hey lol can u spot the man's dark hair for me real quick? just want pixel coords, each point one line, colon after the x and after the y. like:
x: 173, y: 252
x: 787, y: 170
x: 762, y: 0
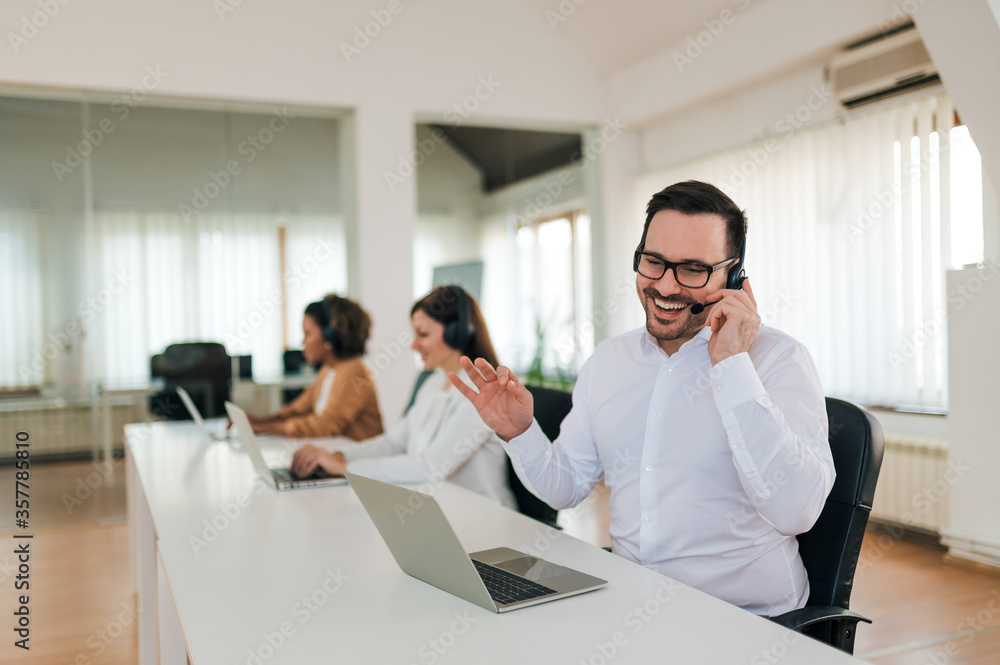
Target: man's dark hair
x: 700, y: 198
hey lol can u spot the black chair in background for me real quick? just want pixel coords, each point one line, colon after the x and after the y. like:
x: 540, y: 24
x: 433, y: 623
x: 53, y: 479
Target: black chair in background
x: 203, y: 369
x: 551, y: 406
x: 831, y: 548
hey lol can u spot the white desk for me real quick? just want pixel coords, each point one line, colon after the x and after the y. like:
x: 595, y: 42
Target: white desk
x: 303, y: 577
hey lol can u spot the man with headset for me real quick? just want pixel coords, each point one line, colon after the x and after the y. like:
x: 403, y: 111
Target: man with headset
x: 708, y: 430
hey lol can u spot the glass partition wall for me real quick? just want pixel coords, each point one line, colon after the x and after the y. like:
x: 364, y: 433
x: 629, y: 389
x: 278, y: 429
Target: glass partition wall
x: 125, y: 227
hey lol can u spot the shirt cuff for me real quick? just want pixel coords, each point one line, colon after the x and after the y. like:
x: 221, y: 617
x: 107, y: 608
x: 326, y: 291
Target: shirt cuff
x: 524, y: 445
x: 734, y: 382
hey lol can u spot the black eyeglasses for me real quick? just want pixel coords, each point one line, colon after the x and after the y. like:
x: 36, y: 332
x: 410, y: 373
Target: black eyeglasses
x: 690, y: 275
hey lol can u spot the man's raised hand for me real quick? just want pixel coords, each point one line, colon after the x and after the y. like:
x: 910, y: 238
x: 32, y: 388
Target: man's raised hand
x: 502, y: 401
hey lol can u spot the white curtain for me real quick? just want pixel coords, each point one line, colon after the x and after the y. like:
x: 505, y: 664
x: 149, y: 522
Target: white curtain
x: 851, y: 227
x: 217, y: 278
x: 24, y: 349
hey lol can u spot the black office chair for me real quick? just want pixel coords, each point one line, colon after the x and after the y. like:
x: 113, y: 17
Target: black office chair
x: 551, y: 406
x: 831, y: 548
x: 203, y: 369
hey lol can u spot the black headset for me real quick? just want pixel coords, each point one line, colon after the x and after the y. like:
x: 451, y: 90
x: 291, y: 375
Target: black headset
x: 330, y: 333
x: 734, y: 280
x: 458, y: 333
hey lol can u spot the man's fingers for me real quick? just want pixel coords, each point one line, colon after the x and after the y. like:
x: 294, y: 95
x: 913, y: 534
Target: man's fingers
x: 486, y: 369
x: 462, y: 387
x: 749, y: 290
x: 471, y: 370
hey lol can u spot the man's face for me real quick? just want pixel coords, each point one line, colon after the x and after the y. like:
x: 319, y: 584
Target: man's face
x: 677, y: 237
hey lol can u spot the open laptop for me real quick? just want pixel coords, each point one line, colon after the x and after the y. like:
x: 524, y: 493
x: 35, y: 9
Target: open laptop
x: 425, y: 546
x: 280, y: 478
x: 216, y: 435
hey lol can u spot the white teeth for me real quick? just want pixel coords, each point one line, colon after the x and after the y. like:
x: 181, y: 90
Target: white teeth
x: 662, y: 304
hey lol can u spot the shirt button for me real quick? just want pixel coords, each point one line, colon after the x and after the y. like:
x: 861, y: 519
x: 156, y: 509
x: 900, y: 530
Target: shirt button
x: 670, y: 369
x: 656, y: 416
x: 718, y: 388
x: 649, y: 468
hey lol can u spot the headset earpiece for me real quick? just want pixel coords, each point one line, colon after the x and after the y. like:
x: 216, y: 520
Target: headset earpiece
x: 330, y: 333
x: 734, y: 280
x: 458, y: 333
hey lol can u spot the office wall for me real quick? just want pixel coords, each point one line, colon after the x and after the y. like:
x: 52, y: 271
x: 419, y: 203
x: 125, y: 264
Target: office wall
x: 963, y: 39
x: 449, y: 196
x: 384, y: 62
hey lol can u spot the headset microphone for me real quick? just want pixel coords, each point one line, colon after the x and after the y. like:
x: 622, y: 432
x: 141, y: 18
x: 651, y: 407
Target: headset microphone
x: 697, y: 308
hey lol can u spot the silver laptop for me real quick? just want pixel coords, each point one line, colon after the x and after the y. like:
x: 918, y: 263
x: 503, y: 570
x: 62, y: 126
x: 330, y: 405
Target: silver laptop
x: 425, y: 546
x: 280, y: 478
x: 216, y: 435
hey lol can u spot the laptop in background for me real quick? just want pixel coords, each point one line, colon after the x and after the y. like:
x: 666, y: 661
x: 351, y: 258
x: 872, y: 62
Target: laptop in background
x: 216, y: 435
x: 425, y: 546
x: 280, y: 478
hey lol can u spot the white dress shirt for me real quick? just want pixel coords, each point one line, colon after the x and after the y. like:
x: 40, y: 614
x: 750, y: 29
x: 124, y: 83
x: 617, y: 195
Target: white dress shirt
x: 440, y: 438
x: 711, y: 471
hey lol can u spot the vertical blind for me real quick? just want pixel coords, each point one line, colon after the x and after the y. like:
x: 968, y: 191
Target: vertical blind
x: 851, y: 228
x: 218, y: 278
x: 24, y: 349
x: 156, y: 226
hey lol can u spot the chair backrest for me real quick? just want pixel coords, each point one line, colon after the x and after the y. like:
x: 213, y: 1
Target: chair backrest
x: 831, y: 548
x: 204, y: 369
x: 551, y: 406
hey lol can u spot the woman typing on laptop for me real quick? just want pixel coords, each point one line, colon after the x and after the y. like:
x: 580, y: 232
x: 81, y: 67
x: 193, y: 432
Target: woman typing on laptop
x: 341, y: 401
x: 440, y: 437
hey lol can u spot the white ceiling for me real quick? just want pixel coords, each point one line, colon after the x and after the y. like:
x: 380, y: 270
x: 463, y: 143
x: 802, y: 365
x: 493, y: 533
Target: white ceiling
x: 613, y: 35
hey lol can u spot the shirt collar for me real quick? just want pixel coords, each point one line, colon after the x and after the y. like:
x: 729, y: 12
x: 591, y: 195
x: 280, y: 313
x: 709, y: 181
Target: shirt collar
x: 650, y: 346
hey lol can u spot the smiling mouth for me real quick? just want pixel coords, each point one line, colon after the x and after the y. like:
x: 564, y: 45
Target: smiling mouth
x: 668, y: 309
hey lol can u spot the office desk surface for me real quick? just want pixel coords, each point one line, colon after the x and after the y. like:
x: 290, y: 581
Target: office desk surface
x: 302, y: 576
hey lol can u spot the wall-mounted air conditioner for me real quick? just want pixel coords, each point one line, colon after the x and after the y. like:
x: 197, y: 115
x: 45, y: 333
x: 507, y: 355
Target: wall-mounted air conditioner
x: 881, y: 67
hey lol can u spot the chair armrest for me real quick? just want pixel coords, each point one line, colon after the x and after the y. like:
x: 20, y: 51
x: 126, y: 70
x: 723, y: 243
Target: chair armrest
x: 807, y: 616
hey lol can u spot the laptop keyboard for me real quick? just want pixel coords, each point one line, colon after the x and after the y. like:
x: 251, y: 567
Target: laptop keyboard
x: 506, y: 588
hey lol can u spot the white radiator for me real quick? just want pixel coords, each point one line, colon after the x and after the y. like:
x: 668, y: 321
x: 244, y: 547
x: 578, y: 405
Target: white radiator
x: 914, y: 483
x: 60, y: 429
